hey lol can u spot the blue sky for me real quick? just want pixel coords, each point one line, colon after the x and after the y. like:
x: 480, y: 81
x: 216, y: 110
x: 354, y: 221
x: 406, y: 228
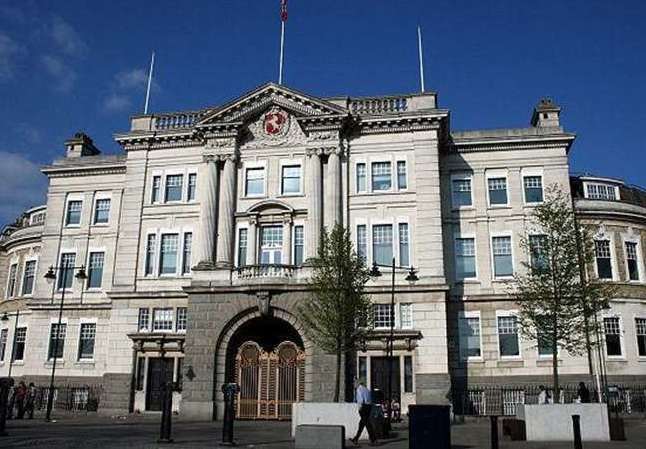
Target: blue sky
x: 81, y: 65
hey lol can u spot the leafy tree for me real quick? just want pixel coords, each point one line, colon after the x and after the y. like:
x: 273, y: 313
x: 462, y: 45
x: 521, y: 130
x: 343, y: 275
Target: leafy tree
x: 337, y: 313
x: 556, y: 298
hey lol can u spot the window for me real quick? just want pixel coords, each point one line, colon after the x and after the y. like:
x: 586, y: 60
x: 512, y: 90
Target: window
x: 602, y: 254
x: 408, y: 374
x: 57, y: 341
x: 151, y: 242
x: 612, y: 329
x: 28, y: 277
x: 271, y: 245
x: 544, y: 344
x: 156, y: 188
x: 19, y: 344
x: 465, y: 258
x: 255, y: 181
x: 600, y: 192
x: 174, y: 187
x: 382, y: 316
x: 362, y: 242
x: 361, y: 177
x: 402, y: 182
x: 404, y: 254
x: 192, y: 185
x: 86, y: 341
x: 163, y: 319
x: 73, y: 216
x: 242, y: 247
x: 299, y: 245
x: 502, y: 258
x: 168, y: 254
x: 95, y: 270
x: 381, y: 175
x: 470, y: 345
x: 497, y: 191
x: 143, y: 323
x: 631, y: 261
x: 406, y: 315
x: 533, y: 189
x: 538, y: 254
x: 66, y: 271
x: 640, y: 330
x: 461, y: 192
x: 180, y: 322
x: 382, y: 244
x: 291, y: 179
x: 186, y: 253
x: 141, y: 371
x: 3, y: 343
x: 102, y: 211
x: 11, y: 284
x: 508, y: 336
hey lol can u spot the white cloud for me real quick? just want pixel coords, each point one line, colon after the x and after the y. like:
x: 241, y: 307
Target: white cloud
x: 125, y: 85
x: 67, y: 38
x: 63, y: 74
x: 9, y: 50
x: 116, y: 103
x: 22, y: 185
x: 130, y: 79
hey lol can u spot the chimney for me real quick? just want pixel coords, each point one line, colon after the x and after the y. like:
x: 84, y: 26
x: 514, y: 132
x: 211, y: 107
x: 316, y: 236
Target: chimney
x: 546, y: 114
x: 80, y: 145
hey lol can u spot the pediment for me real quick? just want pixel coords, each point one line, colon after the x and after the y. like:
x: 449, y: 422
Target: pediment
x: 251, y: 105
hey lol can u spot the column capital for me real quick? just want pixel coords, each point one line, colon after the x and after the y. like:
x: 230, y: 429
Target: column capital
x: 287, y: 218
x: 253, y: 219
x: 220, y: 156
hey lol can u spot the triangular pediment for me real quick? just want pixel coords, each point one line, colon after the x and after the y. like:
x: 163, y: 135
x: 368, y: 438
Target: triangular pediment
x: 252, y: 104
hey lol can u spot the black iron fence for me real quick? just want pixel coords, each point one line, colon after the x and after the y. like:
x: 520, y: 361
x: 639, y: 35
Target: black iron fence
x: 502, y: 400
x: 72, y: 398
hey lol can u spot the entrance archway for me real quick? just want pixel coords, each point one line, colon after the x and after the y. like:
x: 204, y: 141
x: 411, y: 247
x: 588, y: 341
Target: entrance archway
x: 266, y: 358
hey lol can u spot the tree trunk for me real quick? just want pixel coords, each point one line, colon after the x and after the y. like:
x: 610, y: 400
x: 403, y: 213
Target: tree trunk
x: 555, y: 363
x: 337, y: 376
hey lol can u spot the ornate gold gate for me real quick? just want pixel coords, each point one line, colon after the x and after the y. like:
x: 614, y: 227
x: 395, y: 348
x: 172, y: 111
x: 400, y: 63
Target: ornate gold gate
x: 269, y: 381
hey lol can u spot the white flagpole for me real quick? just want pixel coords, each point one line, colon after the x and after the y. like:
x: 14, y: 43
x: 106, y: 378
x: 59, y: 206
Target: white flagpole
x: 150, y: 78
x: 421, y: 57
x: 282, y: 45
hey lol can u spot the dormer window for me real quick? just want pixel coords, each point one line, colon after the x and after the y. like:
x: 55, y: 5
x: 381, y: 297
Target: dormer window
x: 596, y: 191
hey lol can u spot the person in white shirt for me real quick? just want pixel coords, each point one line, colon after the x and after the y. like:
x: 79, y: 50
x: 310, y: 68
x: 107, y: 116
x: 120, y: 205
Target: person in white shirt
x: 543, y: 396
x: 362, y: 397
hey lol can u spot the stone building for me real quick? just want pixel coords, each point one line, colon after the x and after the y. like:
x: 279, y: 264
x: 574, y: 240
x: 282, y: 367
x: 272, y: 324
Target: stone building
x: 194, y: 241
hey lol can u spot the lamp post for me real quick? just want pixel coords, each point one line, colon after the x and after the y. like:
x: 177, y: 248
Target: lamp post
x: 5, y: 317
x: 411, y: 277
x: 50, y: 276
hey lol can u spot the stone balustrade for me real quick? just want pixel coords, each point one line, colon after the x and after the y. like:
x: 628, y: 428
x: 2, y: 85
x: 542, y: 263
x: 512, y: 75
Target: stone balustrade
x: 378, y: 105
x: 176, y: 121
x: 250, y: 272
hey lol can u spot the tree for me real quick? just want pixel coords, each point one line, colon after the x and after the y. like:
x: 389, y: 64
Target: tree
x: 337, y: 313
x: 556, y: 298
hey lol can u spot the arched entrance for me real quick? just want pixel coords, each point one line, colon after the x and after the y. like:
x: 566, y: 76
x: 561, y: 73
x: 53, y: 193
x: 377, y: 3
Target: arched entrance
x: 266, y: 359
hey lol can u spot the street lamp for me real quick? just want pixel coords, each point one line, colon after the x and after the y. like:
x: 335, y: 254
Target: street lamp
x: 5, y: 318
x: 411, y: 277
x: 50, y: 276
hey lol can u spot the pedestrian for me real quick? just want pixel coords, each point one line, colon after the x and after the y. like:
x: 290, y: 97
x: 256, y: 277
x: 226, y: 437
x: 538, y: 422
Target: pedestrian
x: 583, y: 393
x: 11, y: 401
x: 362, y: 397
x: 543, y: 396
x: 21, y: 395
x: 31, y: 400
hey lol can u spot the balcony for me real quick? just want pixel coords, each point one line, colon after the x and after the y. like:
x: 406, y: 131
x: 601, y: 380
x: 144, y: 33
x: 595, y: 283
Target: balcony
x: 266, y: 271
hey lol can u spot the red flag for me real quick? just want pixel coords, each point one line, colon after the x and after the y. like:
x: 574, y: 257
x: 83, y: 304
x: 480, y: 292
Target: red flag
x: 283, y: 10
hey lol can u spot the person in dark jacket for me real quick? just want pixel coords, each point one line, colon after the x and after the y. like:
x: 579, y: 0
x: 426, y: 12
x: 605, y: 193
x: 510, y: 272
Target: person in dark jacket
x: 21, y: 396
x: 583, y: 393
x: 30, y: 400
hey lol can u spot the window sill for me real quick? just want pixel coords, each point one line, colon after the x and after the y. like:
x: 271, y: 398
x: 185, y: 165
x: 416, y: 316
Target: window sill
x: 254, y: 197
x: 291, y: 195
x: 59, y: 363
x: 619, y: 359
x: 89, y: 363
x: 533, y: 204
x: 72, y: 226
x: 18, y: 363
x: 503, y: 279
x: 462, y: 208
x: 468, y: 281
x: 475, y: 360
x: 510, y: 363
x: 499, y: 206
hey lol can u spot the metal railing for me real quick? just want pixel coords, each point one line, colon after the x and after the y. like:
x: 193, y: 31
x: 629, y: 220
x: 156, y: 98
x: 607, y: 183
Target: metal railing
x: 503, y: 400
x: 70, y: 398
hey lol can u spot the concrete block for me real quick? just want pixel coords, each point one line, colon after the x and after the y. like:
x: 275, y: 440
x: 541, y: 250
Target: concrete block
x: 553, y: 422
x: 310, y: 436
x: 327, y: 413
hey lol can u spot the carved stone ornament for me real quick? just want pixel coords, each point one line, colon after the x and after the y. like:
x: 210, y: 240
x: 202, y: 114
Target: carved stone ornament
x: 227, y: 142
x: 264, y: 300
x: 274, y: 128
x: 323, y: 135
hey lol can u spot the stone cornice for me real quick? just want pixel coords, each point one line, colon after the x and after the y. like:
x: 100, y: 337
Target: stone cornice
x: 528, y: 142
x: 387, y: 125
x: 71, y: 171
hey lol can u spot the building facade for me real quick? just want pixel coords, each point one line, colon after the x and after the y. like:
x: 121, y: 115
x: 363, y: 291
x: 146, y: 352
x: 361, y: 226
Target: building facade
x: 195, y: 243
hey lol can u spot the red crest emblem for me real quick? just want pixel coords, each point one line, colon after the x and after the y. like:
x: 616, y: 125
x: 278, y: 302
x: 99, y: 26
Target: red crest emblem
x: 275, y: 121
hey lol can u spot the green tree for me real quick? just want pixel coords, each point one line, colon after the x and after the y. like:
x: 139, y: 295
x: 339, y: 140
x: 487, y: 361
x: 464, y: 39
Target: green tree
x: 337, y: 313
x: 556, y: 297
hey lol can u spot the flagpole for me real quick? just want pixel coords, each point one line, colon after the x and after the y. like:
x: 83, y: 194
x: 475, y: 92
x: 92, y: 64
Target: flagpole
x: 421, y: 57
x: 282, y: 46
x: 150, y: 78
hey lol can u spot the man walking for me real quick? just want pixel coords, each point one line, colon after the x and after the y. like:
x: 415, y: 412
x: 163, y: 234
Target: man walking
x: 362, y: 397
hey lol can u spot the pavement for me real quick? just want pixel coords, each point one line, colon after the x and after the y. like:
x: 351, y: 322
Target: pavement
x: 141, y: 432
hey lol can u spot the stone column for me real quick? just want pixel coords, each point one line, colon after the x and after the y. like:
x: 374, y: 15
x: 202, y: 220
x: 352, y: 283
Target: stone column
x: 227, y: 208
x: 333, y: 189
x: 208, y: 196
x: 314, y: 204
x: 252, y: 233
x: 287, y: 240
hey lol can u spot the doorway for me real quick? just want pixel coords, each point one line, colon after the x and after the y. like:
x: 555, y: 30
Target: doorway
x: 160, y: 371
x: 379, y: 369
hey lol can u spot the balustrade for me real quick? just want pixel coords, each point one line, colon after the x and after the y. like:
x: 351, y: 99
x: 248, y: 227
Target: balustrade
x: 266, y: 271
x: 177, y: 121
x: 379, y: 105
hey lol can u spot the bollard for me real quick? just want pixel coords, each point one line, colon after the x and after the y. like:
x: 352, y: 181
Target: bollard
x: 576, y: 424
x: 230, y: 391
x: 494, y: 431
x: 167, y: 413
x: 5, y: 384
